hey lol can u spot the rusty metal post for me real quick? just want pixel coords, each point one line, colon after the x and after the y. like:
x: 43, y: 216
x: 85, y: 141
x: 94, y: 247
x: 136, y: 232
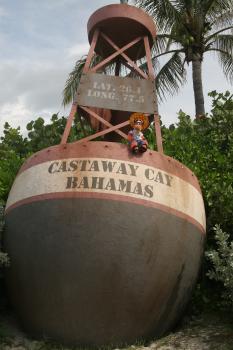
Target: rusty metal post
x: 69, y: 123
x: 152, y: 77
x: 148, y: 58
x: 75, y: 104
x: 158, y: 133
x: 118, y: 68
x: 91, y: 51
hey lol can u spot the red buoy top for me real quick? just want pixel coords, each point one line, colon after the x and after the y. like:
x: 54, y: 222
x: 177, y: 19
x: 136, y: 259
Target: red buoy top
x: 122, y: 23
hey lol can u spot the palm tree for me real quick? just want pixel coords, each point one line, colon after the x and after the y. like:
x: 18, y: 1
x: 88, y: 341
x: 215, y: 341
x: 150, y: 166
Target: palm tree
x: 187, y: 30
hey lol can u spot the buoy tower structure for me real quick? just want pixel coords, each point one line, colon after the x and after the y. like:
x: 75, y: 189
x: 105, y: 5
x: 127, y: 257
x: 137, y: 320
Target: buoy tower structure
x: 105, y: 245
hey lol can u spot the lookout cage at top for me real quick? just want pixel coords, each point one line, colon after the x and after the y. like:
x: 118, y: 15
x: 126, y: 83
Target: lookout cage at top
x: 120, y: 35
x: 105, y: 245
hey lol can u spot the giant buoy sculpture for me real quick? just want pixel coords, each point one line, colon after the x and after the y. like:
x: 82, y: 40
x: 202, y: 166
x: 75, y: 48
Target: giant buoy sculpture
x: 105, y: 244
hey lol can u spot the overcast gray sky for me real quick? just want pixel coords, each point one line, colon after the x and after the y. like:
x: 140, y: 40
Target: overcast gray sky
x: 40, y: 42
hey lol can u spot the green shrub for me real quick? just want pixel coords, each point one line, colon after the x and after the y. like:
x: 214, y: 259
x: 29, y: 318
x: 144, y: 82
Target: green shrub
x: 206, y: 147
x: 222, y: 262
x: 4, y: 260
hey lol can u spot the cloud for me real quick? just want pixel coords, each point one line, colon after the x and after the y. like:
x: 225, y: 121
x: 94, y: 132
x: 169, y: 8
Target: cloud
x: 33, y: 86
x: 30, y: 90
x: 14, y: 112
x: 78, y: 50
x: 3, y: 12
x: 39, y: 45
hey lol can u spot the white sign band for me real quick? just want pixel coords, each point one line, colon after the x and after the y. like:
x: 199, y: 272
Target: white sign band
x: 109, y: 176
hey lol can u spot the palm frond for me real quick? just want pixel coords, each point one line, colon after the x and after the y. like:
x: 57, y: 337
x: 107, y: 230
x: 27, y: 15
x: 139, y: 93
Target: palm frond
x: 226, y: 62
x: 160, y: 44
x: 188, y: 6
x: 163, y: 43
x: 223, y: 42
x: 222, y: 19
x: 164, y: 12
x: 214, y: 8
x: 171, y: 76
x: 223, y: 46
x: 170, y: 41
x: 216, y: 39
x: 74, y: 77
x: 169, y: 52
x: 73, y: 80
x: 144, y: 67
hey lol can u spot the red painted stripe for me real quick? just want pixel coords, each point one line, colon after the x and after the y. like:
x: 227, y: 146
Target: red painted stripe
x: 63, y: 195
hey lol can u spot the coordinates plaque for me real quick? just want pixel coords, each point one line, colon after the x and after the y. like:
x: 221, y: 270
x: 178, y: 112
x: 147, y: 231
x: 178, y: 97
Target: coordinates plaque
x: 123, y: 94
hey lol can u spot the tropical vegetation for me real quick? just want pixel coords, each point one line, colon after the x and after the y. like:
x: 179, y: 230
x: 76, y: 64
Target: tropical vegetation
x: 222, y: 262
x: 205, y: 146
x: 14, y: 148
x: 187, y: 30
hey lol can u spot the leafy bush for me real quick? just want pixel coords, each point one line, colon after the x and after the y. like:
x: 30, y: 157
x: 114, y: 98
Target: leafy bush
x: 222, y: 261
x: 206, y: 147
x: 4, y: 260
x: 14, y: 149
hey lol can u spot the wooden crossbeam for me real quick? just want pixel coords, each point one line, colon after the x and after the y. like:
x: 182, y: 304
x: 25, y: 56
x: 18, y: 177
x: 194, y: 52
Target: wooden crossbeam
x: 103, y: 132
x: 129, y: 67
x: 115, y: 54
x: 126, y: 57
x: 105, y: 122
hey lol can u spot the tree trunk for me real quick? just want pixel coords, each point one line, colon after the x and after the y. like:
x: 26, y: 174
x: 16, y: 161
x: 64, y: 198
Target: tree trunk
x: 197, y: 87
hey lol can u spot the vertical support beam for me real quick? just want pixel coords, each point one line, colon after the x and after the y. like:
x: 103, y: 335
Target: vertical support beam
x: 159, y: 141
x: 151, y: 74
x: 69, y: 123
x: 148, y: 58
x: 75, y: 105
x: 118, y: 68
x: 91, y: 51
